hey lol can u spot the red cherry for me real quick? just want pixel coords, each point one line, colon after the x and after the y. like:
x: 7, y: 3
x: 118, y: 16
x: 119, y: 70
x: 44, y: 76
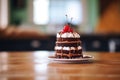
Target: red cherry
x: 70, y: 30
x: 66, y: 28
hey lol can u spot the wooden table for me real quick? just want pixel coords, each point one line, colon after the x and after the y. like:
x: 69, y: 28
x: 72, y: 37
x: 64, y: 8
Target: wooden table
x: 36, y: 66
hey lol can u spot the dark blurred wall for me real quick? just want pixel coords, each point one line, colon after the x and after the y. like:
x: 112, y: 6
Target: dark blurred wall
x: 18, y: 11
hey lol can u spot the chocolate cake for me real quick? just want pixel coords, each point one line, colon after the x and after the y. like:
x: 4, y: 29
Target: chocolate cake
x: 68, y: 44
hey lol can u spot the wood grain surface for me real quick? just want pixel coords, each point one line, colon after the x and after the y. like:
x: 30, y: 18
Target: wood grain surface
x: 36, y: 66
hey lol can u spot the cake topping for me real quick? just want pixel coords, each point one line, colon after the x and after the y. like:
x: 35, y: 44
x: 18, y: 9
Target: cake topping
x: 68, y: 48
x: 67, y: 28
x: 68, y: 35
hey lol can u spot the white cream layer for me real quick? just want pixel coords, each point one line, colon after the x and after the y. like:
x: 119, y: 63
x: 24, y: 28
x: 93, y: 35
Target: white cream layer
x: 67, y: 48
x: 68, y: 35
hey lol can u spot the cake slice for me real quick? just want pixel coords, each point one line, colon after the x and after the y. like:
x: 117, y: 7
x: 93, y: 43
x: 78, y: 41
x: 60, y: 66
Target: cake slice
x: 68, y: 44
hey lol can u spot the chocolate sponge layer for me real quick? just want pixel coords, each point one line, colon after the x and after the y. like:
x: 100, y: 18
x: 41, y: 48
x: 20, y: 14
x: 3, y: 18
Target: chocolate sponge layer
x: 71, y: 51
x: 69, y: 44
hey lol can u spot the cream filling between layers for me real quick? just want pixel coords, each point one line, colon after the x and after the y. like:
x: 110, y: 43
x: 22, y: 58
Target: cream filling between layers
x: 67, y: 48
x: 68, y: 35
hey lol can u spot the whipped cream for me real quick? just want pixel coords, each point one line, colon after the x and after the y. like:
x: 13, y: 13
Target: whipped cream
x: 67, y: 48
x: 72, y: 48
x: 58, y: 47
x: 68, y: 35
x: 79, y: 47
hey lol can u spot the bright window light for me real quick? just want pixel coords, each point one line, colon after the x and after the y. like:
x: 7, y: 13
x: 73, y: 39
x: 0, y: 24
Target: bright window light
x: 74, y: 10
x: 40, y: 11
x: 54, y: 11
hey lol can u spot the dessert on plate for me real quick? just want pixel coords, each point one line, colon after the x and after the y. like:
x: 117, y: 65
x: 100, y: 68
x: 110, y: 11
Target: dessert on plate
x: 68, y: 44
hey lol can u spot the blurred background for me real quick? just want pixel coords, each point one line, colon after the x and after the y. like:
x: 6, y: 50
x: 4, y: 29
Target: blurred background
x: 27, y: 25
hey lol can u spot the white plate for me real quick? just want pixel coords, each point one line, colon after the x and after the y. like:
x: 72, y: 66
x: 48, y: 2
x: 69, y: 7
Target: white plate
x: 85, y: 59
